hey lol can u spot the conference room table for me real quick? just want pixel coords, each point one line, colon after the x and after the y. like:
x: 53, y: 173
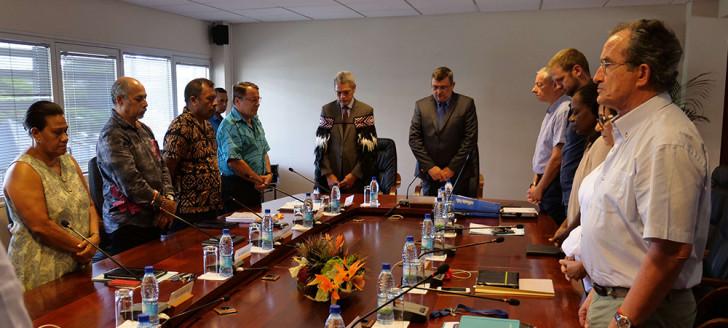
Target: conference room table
x: 75, y: 301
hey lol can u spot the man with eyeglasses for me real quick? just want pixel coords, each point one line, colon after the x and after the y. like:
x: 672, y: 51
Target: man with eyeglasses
x: 570, y: 70
x: 242, y: 151
x: 346, y: 139
x: 545, y: 189
x: 444, y: 138
x: 646, y: 207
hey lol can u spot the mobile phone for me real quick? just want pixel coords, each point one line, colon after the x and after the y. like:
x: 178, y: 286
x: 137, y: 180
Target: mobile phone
x: 271, y: 277
x: 223, y: 310
x: 503, y: 231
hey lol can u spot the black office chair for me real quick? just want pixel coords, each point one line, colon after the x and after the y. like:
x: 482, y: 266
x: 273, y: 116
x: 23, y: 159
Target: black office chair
x: 95, y: 186
x: 273, y: 185
x: 711, y: 293
x: 386, y: 164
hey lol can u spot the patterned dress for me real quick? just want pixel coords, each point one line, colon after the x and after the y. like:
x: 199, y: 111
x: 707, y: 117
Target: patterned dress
x: 66, y: 199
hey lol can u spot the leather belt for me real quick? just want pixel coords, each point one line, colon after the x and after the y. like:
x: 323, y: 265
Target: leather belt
x: 610, y: 291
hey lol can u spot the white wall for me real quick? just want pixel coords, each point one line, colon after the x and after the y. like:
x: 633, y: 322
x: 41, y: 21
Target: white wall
x: 105, y: 21
x: 494, y: 58
x: 706, y: 50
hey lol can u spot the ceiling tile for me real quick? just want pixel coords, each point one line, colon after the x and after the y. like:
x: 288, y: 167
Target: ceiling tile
x: 263, y: 4
x: 381, y: 8
x: 150, y: 3
x: 623, y: 3
x: 438, y: 7
x: 271, y: 14
x: 571, y: 4
x: 221, y: 16
x: 325, y: 12
x: 507, y: 5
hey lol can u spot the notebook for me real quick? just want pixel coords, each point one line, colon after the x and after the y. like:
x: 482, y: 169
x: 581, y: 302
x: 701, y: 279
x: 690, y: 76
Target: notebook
x: 498, y: 278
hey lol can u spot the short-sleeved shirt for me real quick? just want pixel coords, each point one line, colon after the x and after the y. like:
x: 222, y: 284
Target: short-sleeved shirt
x: 652, y: 184
x: 215, y: 120
x: 197, y: 177
x: 552, y: 133
x: 238, y: 140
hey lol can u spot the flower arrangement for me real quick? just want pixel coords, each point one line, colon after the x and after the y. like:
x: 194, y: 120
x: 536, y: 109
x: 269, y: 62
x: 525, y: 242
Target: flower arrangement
x: 324, y: 271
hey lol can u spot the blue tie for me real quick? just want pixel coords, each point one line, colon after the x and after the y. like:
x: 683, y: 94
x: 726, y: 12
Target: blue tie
x: 441, y: 109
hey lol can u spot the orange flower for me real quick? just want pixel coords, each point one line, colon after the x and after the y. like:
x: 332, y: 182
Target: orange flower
x: 339, y: 242
x: 358, y: 282
x: 354, y: 267
x: 323, y: 283
x: 341, y: 274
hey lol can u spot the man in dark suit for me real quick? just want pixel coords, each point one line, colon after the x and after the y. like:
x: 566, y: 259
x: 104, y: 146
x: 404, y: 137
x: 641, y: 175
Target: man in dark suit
x: 346, y: 139
x: 444, y: 138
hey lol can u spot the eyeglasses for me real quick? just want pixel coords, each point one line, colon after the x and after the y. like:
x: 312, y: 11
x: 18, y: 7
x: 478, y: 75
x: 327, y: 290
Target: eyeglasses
x: 606, y: 65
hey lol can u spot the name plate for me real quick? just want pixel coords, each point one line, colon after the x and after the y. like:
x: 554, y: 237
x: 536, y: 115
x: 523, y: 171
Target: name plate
x: 180, y: 295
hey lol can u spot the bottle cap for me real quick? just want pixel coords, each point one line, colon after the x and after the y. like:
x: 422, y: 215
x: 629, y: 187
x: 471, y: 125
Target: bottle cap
x: 143, y: 318
x: 428, y: 216
x: 374, y: 178
x: 386, y: 266
x: 308, y: 194
x: 225, y: 231
x: 335, y: 308
x: 148, y: 269
x: 410, y: 239
x: 267, y: 211
x: 439, y: 199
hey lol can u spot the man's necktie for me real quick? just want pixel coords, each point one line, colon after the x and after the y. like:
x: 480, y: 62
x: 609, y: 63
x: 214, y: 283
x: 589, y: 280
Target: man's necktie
x: 441, y: 108
x: 345, y: 113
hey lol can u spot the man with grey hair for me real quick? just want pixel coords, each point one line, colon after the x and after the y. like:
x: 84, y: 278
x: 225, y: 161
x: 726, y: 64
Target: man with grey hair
x: 138, y: 192
x: 346, y: 139
x: 545, y: 189
x: 645, y: 209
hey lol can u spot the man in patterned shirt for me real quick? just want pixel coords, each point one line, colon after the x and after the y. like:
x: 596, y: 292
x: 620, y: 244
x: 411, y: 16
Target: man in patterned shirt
x: 138, y: 193
x: 190, y: 152
x: 243, y: 150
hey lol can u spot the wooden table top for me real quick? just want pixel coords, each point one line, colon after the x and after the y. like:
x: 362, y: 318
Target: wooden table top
x: 75, y: 301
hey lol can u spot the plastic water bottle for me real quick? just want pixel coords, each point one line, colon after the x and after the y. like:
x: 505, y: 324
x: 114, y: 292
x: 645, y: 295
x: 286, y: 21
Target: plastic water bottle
x: 374, y: 193
x: 335, y: 198
x: 150, y: 295
x: 409, y: 262
x: 428, y: 233
x: 267, y: 238
x: 439, y: 222
x: 316, y: 195
x: 143, y: 320
x: 308, y: 211
x: 385, y: 315
x: 448, y: 191
x: 226, y: 254
x: 334, y: 320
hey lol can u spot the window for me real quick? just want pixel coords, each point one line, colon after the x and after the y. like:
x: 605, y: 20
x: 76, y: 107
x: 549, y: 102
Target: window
x: 87, y: 80
x: 25, y: 77
x: 155, y: 73
x: 185, y: 74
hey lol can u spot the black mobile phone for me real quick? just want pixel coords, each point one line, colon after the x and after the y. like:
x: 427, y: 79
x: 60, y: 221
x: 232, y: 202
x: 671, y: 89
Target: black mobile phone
x: 454, y: 289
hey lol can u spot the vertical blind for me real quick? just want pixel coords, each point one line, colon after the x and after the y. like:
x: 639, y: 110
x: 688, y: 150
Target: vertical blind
x: 185, y: 74
x: 25, y: 77
x: 87, y: 80
x: 155, y: 73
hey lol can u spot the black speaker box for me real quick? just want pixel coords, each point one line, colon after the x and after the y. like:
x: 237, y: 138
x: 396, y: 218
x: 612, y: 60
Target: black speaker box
x: 220, y: 35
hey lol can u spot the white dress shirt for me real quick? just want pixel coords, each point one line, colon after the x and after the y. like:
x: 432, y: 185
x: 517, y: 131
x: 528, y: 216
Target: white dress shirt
x: 12, y: 306
x: 652, y: 184
x: 552, y: 133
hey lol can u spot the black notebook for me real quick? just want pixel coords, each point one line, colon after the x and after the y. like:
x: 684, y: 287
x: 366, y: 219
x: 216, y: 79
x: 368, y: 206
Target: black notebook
x: 120, y: 273
x: 498, y: 278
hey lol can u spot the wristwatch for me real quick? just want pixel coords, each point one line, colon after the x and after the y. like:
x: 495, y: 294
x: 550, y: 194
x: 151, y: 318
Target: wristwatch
x: 622, y: 320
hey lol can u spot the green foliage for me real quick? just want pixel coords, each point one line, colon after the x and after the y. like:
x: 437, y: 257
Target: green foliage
x: 697, y: 90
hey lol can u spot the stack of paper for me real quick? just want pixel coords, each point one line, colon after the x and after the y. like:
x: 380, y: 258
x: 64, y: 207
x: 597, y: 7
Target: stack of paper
x: 243, y: 217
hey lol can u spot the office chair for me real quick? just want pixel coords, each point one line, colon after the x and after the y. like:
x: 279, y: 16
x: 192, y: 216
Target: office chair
x: 386, y: 164
x: 712, y: 292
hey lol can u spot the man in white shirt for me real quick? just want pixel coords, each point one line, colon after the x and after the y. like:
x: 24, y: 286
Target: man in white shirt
x: 646, y: 219
x: 545, y: 188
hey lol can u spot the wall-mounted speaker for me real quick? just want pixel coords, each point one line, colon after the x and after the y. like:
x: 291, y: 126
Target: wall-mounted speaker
x: 220, y: 35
